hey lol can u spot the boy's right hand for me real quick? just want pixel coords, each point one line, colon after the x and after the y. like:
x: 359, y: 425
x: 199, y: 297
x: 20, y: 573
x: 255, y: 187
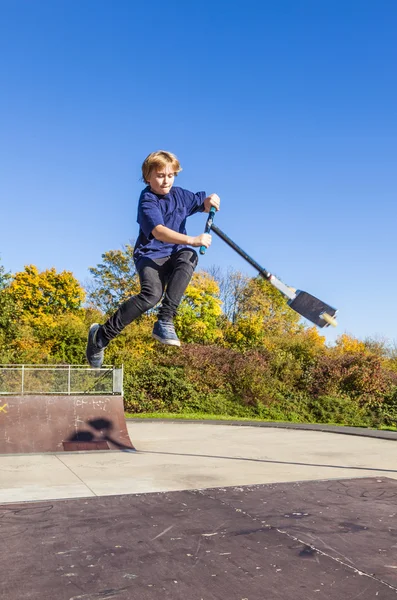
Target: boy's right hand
x: 203, y: 239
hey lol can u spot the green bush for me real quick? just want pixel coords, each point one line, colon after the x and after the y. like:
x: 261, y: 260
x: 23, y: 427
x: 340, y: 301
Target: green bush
x: 386, y: 413
x: 149, y: 388
x: 338, y: 410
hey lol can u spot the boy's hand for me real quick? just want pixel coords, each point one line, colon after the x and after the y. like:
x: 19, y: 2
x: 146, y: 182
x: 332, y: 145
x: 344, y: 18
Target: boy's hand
x: 212, y: 200
x: 202, y: 240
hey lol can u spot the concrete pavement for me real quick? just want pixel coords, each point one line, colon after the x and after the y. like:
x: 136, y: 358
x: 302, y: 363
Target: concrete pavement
x: 181, y: 456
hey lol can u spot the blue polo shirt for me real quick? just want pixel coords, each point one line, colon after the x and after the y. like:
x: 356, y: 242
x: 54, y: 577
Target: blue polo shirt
x: 170, y: 210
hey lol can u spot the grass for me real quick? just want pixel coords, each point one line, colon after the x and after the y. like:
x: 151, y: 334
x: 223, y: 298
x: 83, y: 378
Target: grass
x: 387, y: 428
x: 197, y: 416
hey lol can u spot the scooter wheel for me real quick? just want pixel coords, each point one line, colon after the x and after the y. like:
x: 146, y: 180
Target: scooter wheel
x: 329, y: 320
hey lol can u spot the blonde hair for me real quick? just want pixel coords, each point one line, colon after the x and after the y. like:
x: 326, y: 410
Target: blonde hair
x: 159, y: 159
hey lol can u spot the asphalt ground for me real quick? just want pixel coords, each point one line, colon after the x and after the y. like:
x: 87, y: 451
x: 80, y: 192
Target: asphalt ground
x: 203, y: 512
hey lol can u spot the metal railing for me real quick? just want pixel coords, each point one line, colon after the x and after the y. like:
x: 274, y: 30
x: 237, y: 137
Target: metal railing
x: 60, y: 379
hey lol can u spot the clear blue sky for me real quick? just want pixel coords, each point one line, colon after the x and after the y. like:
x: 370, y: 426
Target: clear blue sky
x: 286, y: 109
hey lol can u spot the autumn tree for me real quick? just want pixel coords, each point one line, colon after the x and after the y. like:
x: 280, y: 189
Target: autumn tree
x: 8, y: 317
x: 6, y: 303
x: 348, y: 344
x: 199, y: 311
x: 42, y: 301
x: 114, y: 280
x: 262, y: 312
x: 47, y: 293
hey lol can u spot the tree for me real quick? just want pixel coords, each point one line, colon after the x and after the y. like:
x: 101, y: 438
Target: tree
x: 199, y: 311
x: 45, y: 295
x: 347, y: 344
x: 8, y: 317
x: 262, y: 312
x: 4, y: 277
x: 49, y: 323
x: 114, y: 280
x: 6, y: 301
x: 231, y: 287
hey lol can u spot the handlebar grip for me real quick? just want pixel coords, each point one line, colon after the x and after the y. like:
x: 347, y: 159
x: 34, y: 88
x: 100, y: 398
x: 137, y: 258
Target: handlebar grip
x: 208, y: 226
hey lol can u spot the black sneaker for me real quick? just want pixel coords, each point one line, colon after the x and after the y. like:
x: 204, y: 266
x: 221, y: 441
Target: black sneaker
x: 164, y: 332
x: 94, y: 354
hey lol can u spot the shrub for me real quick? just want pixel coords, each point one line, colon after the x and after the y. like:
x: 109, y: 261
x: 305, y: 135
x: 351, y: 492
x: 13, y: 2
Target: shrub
x: 150, y: 388
x: 359, y: 376
x: 338, y: 410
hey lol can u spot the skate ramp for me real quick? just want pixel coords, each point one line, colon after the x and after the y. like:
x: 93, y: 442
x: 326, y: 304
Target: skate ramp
x: 62, y: 423
x: 323, y: 540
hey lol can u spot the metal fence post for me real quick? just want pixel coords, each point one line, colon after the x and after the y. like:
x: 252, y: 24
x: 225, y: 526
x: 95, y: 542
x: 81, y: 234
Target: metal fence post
x: 69, y: 381
x: 118, y: 380
x: 23, y: 379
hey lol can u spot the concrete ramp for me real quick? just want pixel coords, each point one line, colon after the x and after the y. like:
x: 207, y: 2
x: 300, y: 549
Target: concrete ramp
x: 58, y: 423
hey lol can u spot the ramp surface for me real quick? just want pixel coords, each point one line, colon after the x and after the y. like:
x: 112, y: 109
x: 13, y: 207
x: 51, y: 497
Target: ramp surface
x: 56, y: 423
x: 293, y: 541
x: 180, y: 456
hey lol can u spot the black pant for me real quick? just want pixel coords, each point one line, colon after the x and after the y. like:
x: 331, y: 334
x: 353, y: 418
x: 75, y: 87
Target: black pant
x: 172, y: 274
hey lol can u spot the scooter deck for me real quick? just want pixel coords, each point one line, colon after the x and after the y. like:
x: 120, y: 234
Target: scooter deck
x: 311, y: 308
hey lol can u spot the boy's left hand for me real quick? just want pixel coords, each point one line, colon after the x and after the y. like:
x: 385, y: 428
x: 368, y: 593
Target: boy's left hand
x: 212, y: 200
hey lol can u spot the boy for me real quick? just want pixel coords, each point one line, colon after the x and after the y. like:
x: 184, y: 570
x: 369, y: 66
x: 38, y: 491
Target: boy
x: 162, y: 258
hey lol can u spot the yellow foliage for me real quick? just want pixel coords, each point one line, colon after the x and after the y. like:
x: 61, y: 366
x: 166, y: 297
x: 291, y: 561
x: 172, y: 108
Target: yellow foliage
x: 41, y: 296
x: 346, y: 344
x: 313, y: 335
x: 203, y: 291
x: 261, y: 299
x: 134, y: 343
x: 200, y: 309
x: 28, y: 348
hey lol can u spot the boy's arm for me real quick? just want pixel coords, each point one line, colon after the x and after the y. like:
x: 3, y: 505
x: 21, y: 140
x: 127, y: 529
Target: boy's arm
x: 199, y: 202
x: 169, y: 236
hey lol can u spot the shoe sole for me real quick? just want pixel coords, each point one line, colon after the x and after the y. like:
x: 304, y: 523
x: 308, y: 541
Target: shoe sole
x: 166, y: 342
